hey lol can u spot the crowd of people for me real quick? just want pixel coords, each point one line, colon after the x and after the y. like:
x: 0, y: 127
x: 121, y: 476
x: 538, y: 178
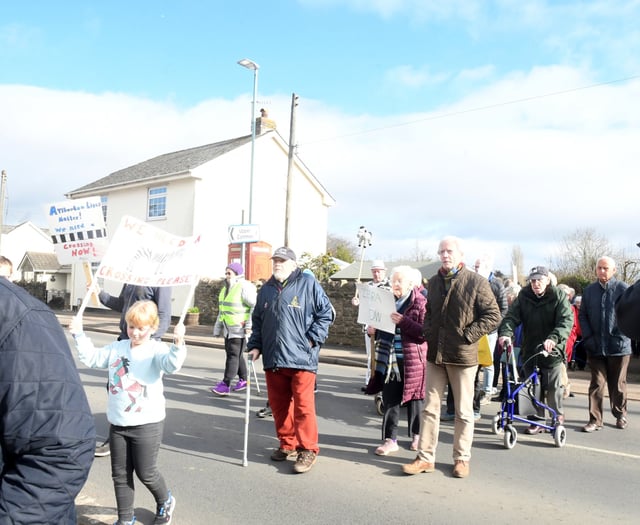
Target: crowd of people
x: 432, y: 349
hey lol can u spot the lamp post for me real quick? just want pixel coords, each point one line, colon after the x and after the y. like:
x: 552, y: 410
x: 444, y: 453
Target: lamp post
x: 250, y: 64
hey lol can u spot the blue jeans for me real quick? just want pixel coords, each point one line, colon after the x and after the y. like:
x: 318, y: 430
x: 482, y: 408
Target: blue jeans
x: 135, y: 449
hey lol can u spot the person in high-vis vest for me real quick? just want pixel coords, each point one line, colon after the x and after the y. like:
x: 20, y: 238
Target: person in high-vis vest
x: 235, y: 304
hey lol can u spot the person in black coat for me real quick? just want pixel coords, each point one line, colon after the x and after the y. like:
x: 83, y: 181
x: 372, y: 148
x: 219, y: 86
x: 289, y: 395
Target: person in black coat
x: 47, y: 433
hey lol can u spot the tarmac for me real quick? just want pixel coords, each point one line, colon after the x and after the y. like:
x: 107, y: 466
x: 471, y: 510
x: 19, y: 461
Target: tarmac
x: 106, y: 321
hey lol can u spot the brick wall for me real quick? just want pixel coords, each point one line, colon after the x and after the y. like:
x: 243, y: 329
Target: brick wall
x: 345, y: 331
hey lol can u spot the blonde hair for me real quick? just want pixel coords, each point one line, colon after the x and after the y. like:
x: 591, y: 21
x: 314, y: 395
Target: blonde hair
x: 143, y: 313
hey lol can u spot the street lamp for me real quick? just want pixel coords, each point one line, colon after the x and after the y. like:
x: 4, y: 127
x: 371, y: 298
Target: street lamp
x: 250, y: 64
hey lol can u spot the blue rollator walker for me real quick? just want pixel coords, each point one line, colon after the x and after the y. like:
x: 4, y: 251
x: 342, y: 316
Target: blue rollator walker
x: 523, y: 392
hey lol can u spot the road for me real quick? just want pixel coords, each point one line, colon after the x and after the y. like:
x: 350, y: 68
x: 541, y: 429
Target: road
x: 595, y: 478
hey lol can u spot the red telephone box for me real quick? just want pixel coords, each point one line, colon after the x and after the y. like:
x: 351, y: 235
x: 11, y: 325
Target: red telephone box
x: 257, y: 259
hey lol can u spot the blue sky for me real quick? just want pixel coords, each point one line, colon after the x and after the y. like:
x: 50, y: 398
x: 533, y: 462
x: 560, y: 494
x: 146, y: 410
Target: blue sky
x: 452, y: 115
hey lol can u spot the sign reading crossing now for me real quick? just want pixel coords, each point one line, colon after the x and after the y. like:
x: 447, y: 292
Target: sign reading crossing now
x: 241, y: 233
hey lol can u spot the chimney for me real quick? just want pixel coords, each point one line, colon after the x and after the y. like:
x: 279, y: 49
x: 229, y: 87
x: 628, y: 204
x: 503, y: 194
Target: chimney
x: 264, y: 123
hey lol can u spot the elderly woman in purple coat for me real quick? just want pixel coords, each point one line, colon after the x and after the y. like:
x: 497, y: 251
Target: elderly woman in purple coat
x: 400, y: 360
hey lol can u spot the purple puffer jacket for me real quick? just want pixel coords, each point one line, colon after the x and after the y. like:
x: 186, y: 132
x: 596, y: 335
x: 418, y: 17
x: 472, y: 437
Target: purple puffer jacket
x: 414, y: 347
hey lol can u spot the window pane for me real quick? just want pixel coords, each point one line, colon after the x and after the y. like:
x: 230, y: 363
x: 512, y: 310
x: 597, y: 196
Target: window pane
x: 157, y: 202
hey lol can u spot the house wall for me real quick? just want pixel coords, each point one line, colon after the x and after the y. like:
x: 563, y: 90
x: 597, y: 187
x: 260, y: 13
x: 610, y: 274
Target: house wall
x: 26, y: 237
x: 216, y: 196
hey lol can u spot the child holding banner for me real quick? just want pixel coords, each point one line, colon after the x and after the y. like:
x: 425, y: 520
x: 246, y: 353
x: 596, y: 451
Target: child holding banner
x: 136, y: 405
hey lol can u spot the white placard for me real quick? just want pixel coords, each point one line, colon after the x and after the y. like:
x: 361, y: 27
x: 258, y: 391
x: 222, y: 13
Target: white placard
x: 144, y: 255
x: 77, y: 230
x: 376, y: 306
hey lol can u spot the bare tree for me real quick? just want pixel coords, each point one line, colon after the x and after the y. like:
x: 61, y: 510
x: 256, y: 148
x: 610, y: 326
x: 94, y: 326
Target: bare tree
x: 517, y: 261
x: 420, y: 255
x: 580, y: 252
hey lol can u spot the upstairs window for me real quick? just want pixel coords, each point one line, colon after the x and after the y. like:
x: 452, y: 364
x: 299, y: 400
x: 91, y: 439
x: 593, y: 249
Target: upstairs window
x: 157, y: 203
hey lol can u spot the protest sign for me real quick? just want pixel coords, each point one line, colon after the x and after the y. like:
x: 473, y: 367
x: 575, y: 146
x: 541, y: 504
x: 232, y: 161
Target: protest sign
x: 77, y: 230
x: 144, y: 255
x: 376, y: 306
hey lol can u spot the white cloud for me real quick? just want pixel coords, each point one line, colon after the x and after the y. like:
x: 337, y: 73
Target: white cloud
x: 523, y: 174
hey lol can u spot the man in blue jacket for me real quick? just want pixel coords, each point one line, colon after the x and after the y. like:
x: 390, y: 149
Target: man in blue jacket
x: 47, y: 433
x: 290, y: 322
x: 608, y: 349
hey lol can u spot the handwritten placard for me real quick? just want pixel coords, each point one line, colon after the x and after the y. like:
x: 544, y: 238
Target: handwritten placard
x: 376, y: 306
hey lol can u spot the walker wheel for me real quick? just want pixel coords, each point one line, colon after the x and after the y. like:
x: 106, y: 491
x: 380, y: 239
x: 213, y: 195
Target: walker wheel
x: 510, y: 437
x: 560, y: 436
x: 379, y: 405
x: 496, y: 425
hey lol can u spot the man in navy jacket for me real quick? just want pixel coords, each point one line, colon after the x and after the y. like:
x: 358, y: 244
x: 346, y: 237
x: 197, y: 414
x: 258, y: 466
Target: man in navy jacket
x: 290, y: 322
x: 47, y: 434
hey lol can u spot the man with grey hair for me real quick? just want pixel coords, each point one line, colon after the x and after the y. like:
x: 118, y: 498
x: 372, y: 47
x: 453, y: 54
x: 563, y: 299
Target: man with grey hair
x: 608, y: 349
x: 460, y: 310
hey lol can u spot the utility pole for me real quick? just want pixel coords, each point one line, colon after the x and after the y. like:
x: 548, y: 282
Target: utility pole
x: 292, y: 145
x: 3, y: 183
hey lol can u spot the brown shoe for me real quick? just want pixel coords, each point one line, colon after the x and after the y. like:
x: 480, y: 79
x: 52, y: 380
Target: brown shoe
x: 591, y: 427
x: 305, y: 460
x: 622, y: 423
x: 417, y: 466
x: 460, y: 468
x: 282, y: 454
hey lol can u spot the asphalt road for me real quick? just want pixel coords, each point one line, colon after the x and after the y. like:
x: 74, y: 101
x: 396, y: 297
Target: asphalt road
x: 594, y: 478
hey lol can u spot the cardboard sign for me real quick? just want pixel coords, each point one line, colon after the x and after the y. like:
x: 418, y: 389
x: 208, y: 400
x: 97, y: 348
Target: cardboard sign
x: 376, y: 306
x: 77, y: 230
x: 144, y: 255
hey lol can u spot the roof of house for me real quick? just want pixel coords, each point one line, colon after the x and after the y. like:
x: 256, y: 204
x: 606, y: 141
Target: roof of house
x: 167, y: 164
x: 352, y: 272
x: 42, y: 262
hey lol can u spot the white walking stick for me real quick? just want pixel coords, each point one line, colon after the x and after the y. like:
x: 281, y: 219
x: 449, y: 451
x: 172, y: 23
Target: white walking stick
x: 245, y: 461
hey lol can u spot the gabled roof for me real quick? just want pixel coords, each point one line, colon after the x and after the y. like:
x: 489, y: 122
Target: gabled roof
x: 41, y: 262
x: 168, y: 164
x: 427, y: 268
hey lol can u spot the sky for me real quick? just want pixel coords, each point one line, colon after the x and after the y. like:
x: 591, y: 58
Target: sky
x: 505, y: 123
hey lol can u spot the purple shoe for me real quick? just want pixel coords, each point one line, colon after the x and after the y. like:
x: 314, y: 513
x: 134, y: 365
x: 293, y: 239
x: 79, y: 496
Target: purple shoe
x: 221, y: 389
x: 240, y: 385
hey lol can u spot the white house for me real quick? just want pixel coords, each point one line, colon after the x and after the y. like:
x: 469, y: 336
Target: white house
x: 17, y: 240
x: 205, y: 190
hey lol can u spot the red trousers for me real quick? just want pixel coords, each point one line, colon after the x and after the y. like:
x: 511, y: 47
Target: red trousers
x: 293, y: 404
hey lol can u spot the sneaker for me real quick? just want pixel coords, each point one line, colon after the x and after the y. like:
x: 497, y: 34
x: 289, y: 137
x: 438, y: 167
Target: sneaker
x: 417, y: 466
x: 125, y: 522
x: 240, y: 385
x: 165, y: 511
x: 476, y: 416
x: 221, y: 389
x: 102, y: 450
x: 460, y: 468
x: 414, y: 442
x: 388, y: 447
x: 305, y: 460
x: 486, y: 399
x: 282, y: 454
x: 264, y: 412
x: 447, y: 417
x: 591, y: 427
x: 621, y: 423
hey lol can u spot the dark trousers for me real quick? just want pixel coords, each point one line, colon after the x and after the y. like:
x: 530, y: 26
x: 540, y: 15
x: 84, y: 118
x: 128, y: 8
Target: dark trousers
x: 235, y: 364
x: 612, y: 372
x: 135, y: 449
x: 392, y: 400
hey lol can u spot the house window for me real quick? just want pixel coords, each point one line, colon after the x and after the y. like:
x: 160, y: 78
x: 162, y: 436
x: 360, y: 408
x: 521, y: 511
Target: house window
x: 157, y: 203
x: 103, y: 201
